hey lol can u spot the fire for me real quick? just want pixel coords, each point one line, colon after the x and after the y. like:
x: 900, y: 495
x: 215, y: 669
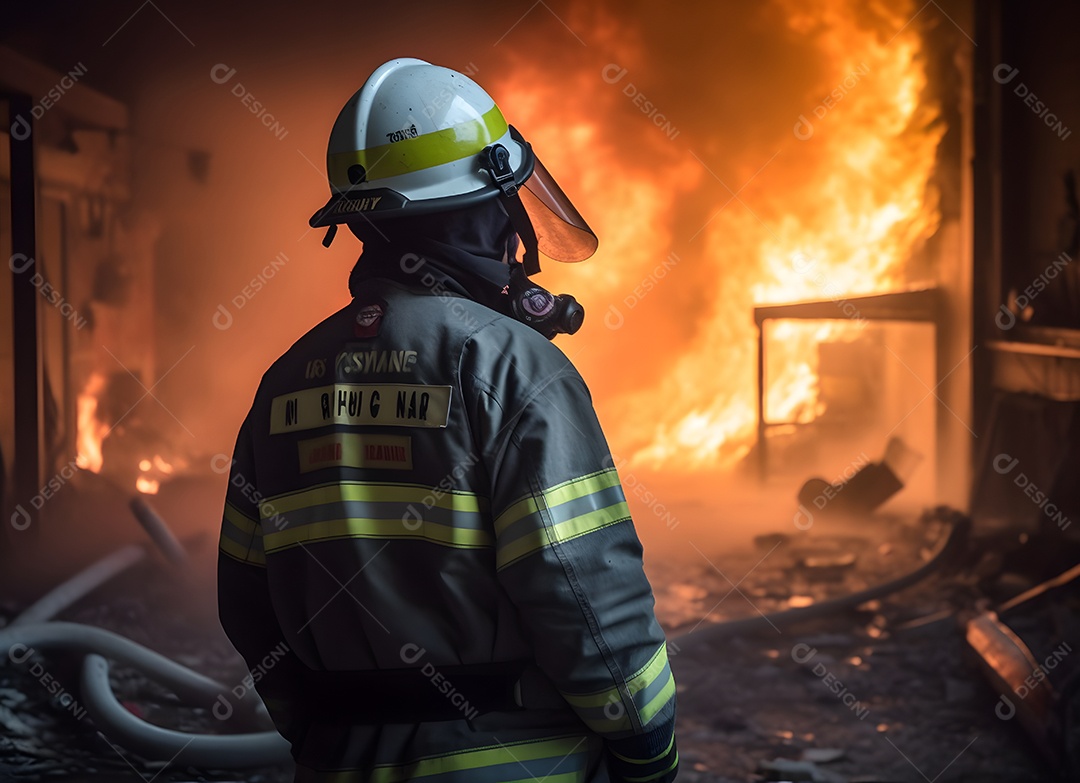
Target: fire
x: 148, y: 484
x: 853, y: 210
x: 835, y: 209
x: 791, y: 375
x: 629, y: 206
x: 91, y: 431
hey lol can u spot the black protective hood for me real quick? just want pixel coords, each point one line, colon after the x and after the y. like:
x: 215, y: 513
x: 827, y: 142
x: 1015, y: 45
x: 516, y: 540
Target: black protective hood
x: 461, y: 249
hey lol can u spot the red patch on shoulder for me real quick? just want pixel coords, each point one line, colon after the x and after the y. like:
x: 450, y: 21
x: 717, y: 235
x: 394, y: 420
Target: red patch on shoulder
x: 369, y: 318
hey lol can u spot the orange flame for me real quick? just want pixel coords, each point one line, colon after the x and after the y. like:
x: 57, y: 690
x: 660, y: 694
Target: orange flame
x: 848, y: 228
x: 839, y: 210
x: 91, y: 431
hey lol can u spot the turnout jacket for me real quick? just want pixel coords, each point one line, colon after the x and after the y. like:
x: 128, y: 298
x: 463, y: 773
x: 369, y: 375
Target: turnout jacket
x: 422, y: 486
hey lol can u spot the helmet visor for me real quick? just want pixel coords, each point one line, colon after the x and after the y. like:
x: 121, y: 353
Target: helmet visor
x: 561, y: 231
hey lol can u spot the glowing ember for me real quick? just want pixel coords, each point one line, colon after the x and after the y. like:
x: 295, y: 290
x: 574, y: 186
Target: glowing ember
x: 158, y: 466
x: 147, y: 486
x: 91, y: 431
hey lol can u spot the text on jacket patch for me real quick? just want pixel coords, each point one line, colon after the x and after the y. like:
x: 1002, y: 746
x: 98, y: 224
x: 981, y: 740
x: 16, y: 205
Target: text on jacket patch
x: 356, y: 362
x: 355, y: 450
x: 393, y: 405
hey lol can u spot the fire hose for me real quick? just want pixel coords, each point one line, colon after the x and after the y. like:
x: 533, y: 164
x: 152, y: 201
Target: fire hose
x: 31, y: 631
x: 150, y: 741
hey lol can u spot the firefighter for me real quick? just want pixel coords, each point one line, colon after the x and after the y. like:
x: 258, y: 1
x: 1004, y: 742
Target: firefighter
x: 427, y: 560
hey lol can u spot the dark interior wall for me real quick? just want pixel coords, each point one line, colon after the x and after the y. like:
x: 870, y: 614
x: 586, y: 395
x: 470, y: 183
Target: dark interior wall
x: 1039, y: 76
x: 1027, y: 282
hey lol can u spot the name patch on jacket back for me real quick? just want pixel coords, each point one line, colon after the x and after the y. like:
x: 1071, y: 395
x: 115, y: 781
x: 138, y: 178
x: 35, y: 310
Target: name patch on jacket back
x: 386, y: 404
x: 356, y: 450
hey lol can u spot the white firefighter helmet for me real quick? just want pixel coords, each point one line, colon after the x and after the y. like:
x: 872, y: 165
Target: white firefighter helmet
x: 418, y: 138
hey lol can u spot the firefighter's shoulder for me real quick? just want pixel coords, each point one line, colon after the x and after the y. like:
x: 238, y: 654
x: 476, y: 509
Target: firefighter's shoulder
x: 506, y: 354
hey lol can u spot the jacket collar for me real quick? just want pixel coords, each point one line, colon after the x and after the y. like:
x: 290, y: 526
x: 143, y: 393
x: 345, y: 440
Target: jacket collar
x: 436, y: 267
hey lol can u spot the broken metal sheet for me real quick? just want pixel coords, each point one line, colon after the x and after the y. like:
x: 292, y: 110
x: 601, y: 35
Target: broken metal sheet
x: 1010, y: 666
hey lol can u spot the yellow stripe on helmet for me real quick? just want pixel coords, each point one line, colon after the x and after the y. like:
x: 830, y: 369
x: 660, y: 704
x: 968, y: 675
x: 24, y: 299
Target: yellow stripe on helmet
x: 419, y: 153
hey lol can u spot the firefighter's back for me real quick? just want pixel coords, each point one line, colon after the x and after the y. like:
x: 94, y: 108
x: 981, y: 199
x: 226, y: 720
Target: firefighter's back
x: 379, y: 541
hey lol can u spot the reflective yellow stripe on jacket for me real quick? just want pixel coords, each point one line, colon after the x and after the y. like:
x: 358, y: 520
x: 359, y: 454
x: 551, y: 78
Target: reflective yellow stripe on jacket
x: 576, y: 508
x: 372, y: 510
x: 557, y: 760
x: 650, y: 688
x: 241, y: 537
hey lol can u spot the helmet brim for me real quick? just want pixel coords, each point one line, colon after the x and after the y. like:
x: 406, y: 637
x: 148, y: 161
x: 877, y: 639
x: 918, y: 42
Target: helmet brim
x: 377, y: 204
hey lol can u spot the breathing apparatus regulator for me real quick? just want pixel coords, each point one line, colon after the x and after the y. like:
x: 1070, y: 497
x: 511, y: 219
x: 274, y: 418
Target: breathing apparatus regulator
x: 417, y: 139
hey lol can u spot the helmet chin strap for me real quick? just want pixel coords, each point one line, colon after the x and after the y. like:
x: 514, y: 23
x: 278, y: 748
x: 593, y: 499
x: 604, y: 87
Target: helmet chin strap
x: 328, y: 237
x: 497, y: 159
x: 531, y: 304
